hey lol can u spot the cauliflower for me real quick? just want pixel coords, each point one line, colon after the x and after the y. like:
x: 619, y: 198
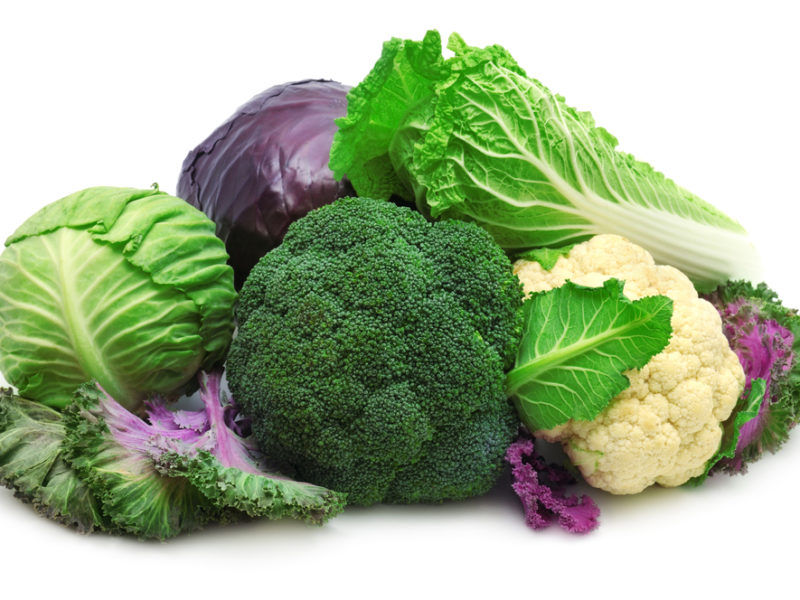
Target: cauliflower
x: 667, y: 424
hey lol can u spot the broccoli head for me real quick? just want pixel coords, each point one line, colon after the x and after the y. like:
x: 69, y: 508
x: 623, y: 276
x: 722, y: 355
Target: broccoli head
x: 371, y: 352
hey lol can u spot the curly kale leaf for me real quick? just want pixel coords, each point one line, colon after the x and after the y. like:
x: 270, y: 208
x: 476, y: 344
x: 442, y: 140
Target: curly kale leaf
x: 180, y: 470
x: 32, y: 464
x: 765, y: 335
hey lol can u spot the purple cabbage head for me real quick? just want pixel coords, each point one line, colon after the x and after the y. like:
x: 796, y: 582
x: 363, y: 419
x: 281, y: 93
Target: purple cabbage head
x: 267, y: 166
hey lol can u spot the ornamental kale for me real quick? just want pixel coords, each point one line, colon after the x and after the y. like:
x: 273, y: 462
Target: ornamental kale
x: 182, y: 469
x: 541, y: 489
x: 766, y: 337
x: 97, y: 466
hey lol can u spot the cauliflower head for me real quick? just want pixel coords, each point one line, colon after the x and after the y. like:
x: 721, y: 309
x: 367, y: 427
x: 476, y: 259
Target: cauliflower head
x: 667, y: 424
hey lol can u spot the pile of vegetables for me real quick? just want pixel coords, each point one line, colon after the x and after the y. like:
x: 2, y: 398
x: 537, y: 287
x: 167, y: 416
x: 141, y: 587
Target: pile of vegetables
x: 386, y: 293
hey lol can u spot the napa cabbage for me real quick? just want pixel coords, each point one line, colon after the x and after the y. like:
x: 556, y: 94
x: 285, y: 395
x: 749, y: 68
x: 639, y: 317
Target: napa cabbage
x: 474, y: 137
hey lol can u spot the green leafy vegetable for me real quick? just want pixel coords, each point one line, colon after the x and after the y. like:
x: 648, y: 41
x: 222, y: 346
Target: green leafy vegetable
x: 180, y: 470
x: 109, y: 448
x: 128, y: 287
x: 250, y: 492
x: 473, y: 137
x: 575, y: 346
x: 403, y: 77
x: 32, y: 464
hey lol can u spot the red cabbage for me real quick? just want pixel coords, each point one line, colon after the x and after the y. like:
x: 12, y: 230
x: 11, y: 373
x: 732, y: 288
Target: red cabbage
x: 266, y: 166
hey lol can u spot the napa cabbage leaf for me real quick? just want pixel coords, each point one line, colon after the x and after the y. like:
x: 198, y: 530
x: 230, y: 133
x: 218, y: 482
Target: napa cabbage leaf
x: 474, y: 137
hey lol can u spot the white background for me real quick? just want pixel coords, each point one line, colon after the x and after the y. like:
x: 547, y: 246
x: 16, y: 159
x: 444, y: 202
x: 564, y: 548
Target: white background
x: 114, y: 93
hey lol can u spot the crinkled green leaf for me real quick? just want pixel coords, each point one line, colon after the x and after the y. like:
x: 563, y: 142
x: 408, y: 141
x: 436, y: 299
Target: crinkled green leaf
x: 131, y: 491
x: 489, y: 144
x: 402, y: 78
x: 33, y: 465
x: 256, y: 494
x: 577, y: 342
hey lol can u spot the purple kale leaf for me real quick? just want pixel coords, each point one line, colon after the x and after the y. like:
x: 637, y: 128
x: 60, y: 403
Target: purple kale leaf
x: 541, y: 489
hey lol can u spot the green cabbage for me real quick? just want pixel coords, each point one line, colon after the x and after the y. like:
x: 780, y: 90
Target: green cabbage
x: 128, y: 287
x: 473, y: 137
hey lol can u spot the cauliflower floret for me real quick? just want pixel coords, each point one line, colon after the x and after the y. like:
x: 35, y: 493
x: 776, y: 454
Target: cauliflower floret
x: 667, y: 424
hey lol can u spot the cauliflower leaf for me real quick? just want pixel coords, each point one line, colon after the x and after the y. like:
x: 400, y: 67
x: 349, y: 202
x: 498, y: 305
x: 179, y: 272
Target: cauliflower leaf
x: 576, y: 344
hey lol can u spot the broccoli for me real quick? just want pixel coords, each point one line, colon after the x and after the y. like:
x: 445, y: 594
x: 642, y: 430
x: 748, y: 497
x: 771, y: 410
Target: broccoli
x: 371, y: 352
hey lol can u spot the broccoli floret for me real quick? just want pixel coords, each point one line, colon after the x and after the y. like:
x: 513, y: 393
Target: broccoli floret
x: 371, y: 352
